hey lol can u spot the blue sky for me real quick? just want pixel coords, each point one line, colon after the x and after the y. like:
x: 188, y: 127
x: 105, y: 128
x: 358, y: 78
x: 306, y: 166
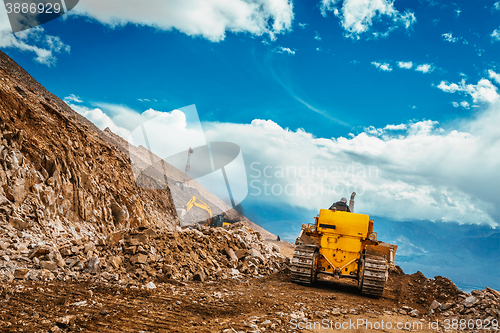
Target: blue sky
x: 407, y: 87
x: 240, y: 78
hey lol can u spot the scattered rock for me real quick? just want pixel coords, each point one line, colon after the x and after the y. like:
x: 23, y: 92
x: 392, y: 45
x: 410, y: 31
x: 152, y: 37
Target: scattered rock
x: 230, y: 252
x: 116, y: 261
x: 435, y: 305
x: 66, y: 252
x: 266, y: 323
x: 45, y: 275
x: 254, y: 253
x: 199, y: 276
x: 39, y: 251
x: 93, y: 265
x: 470, y: 301
x: 150, y: 285
x: 19, y: 223
x: 48, y: 265
x: 21, y: 273
x: 66, y: 321
x: 240, y: 253
x: 4, y: 246
x: 139, y: 259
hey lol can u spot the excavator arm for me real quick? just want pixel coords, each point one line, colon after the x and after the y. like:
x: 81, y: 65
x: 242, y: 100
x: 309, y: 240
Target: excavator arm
x: 200, y: 204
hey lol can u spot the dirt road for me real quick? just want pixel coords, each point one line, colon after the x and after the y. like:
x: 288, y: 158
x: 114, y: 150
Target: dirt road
x: 271, y: 304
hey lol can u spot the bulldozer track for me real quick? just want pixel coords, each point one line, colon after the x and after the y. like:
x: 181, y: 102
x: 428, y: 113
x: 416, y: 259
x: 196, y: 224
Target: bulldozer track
x: 374, y: 276
x: 302, y: 267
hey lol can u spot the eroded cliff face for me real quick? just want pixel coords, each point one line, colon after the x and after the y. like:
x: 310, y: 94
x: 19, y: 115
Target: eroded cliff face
x: 59, y: 176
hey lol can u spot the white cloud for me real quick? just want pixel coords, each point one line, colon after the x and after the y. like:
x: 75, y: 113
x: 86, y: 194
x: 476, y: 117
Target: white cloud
x: 168, y: 133
x: 100, y: 119
x: 72, y: 98
x: 122, y: 115
x: 303, y: 25
x: 317, y: 37
x: 45, y: 47
x: 358, y: 16
x: 372, y: 130
x: 424, y: 68
x: 496, y: 5
x: 405, y: 64
x: 382, y: 66
x: 482, y: 92
x: 455, y: 104
x: 386, y: 67
x: 206, y: 18
x: 494, y: 76
x: 495, y: 35
x: 451, y: 88
x: 281, y: 49
x: 449, y: 37
x: 395, y: 127
x: 465, y: 104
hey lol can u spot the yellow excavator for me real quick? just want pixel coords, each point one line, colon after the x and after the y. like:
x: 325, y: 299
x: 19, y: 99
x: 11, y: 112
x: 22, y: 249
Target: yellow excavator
x: 343, y: 244
x: 212, y: 221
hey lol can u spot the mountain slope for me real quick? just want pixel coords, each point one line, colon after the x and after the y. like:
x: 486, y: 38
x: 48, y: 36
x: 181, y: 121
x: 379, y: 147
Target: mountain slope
x: 58, y: 173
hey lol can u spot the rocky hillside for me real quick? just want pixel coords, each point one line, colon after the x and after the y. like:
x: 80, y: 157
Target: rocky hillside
x: 58, y: 177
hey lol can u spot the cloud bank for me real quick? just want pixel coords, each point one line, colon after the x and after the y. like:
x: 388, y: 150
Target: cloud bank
x: 419, y: 170
x: 209, y: 19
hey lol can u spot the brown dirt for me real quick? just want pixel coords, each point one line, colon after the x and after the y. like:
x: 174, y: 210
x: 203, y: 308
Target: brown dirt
x: 191, y: 307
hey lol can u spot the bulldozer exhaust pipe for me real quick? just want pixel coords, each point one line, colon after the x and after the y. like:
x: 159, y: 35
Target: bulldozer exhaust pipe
x: 351, y: 202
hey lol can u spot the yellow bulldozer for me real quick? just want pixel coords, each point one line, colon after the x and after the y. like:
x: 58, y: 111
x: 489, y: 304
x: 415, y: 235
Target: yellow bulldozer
x: 343, y: 244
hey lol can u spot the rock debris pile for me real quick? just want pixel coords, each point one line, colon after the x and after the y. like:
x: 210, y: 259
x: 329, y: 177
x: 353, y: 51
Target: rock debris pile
x: 441, y: 297
x: 479, y: 304
x: 140, y: 256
